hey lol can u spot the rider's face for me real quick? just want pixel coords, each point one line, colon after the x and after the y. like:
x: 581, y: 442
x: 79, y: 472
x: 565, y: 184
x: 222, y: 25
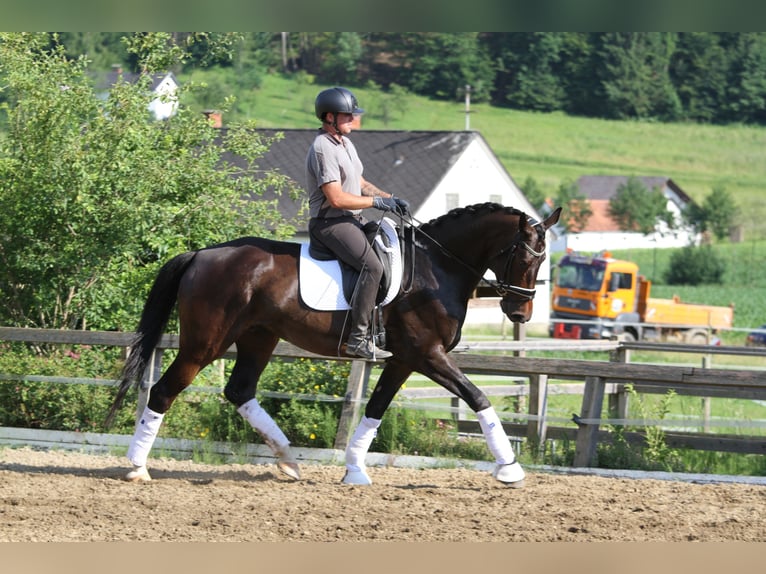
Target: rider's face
x: 344, y: 122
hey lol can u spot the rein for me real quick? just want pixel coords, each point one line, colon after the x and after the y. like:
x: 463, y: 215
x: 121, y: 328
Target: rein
x: 501, y: 287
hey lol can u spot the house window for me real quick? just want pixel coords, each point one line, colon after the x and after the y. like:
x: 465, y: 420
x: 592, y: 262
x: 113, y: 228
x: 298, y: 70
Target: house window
x: 451, y: 200
x: 495, y: 198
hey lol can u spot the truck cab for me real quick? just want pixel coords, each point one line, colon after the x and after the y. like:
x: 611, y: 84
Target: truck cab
x: 600, y: 290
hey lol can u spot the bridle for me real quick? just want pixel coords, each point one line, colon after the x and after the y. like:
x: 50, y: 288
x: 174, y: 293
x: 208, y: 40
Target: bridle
x: 503, y: 289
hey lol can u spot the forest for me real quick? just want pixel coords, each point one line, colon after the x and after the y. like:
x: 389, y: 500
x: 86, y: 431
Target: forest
x: 708, y: 77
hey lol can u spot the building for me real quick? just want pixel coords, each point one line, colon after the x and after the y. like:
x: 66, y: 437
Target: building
x: 601, y: 230
x: 163, y: 86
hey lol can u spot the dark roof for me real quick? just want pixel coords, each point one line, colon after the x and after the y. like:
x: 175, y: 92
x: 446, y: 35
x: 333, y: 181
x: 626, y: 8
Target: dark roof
x: 112, y: 78
x: 409, y: 164
x: 598, y: 187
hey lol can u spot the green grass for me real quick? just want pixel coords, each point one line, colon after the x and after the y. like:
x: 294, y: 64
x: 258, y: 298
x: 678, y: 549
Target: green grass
x: 550, y: 147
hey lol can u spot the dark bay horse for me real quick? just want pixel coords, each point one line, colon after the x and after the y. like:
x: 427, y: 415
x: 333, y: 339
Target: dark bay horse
x: 245, y: 292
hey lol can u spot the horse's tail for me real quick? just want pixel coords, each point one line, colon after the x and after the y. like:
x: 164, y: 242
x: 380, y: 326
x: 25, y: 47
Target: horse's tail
x: 154, y: 319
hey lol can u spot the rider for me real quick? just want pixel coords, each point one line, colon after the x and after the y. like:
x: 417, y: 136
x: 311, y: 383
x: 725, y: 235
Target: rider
x: 337, y: 195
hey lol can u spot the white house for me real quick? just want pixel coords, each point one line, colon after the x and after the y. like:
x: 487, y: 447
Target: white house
x: 163, y: 86
x: 601, y: 231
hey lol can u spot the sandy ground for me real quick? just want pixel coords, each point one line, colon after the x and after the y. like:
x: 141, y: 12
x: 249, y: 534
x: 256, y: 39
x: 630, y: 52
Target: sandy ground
x: 56, y: 496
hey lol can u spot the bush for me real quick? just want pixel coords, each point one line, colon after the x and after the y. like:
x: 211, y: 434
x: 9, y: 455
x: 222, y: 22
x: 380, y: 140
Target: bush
x: 405, y: 431
x: 695, y: 266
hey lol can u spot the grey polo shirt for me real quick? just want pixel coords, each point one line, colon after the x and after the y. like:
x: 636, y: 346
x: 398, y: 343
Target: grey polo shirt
x: 330, y: 160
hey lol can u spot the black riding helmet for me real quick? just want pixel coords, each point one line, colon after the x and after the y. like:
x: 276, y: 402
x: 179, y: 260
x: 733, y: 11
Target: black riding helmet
x: 336, y: 100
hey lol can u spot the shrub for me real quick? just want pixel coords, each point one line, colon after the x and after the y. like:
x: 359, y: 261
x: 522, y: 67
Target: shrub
x: 695, y: 266
x: 406, y: 431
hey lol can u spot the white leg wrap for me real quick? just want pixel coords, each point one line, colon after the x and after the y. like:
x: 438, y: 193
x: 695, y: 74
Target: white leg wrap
x: 360, y: 443
x: 497, y: 440
x: 146, y: 431
x: 261, y: 421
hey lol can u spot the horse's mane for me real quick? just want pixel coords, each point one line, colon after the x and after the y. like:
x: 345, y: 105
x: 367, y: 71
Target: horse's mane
x: 474, y: 209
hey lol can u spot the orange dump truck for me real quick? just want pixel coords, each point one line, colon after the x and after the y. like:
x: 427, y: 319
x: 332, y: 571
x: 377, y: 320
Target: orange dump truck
x: 596, y: 297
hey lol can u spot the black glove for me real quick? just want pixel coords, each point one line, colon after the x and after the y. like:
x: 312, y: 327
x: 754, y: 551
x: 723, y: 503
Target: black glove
x: 384, y: 203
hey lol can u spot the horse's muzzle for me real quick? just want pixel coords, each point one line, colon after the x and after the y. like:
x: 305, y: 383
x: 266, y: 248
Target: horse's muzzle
x: 517, y: 311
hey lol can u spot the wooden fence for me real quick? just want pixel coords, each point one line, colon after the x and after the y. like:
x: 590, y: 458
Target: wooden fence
x: 602, y: 379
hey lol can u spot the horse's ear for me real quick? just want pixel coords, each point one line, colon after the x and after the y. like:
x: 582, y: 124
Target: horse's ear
x: 552, y: 219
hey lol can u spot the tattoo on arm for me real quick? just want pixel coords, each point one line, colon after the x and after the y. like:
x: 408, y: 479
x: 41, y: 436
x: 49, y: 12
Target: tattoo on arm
x: 371, y: 190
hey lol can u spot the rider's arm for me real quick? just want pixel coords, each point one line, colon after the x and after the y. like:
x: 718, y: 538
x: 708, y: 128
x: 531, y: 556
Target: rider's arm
x: 339, y: 199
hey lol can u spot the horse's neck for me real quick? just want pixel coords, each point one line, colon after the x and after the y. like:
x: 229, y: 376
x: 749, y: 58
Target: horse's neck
x: 473, y: 247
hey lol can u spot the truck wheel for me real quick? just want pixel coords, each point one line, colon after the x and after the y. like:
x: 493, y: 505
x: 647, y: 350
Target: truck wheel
x: 628, y: 337
x: 696, y: 337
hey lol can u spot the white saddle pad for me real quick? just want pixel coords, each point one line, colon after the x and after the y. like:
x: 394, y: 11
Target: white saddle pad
x: 321, y: 285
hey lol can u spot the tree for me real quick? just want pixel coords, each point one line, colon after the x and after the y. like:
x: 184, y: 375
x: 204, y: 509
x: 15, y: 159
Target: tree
x: 716, y: 214
x: 746, y: 93
x: 95, y: 195
x: 534, y: 192
x: 635, y: 81
x: 636, y: 208
x: 530, y: 59
x: 440, y: 65
x: 698, y: 69
x: 576, y: 206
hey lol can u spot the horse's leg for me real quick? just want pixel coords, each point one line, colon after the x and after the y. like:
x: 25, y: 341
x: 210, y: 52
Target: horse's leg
x: 176, y: 378
x: 391, y: 379
x: 253, y: 354
x: 441, y: 369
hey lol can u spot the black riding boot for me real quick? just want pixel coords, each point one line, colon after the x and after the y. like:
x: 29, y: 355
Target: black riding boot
x: 360, y: 343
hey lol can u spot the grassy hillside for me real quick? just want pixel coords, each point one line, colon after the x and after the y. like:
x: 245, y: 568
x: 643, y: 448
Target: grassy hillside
x: 547, y: 147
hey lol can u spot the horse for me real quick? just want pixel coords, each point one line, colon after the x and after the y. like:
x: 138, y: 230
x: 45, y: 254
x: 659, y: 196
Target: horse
x: 246, y: 292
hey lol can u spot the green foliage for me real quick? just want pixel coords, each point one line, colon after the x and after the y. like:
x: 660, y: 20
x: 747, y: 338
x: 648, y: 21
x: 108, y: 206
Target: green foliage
x: 534, y: 192
x: 633, y: 73
x: 43, y: 405
x: 406, y: 431
x: 655, y: 454
x: 576, y: 206
x: 635, y: 208
x: 440, y: 65
x: 716, y: 214
x: 95, y: 195
x: 695, y: 266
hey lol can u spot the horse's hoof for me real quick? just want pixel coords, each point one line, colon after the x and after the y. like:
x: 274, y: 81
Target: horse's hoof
x: 510, y: 474
x: 138, y: 474
x: 357, y: 477
x: 289, y: 468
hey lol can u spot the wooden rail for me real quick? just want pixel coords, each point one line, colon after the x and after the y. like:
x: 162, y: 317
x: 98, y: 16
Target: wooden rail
x: 600, y: 377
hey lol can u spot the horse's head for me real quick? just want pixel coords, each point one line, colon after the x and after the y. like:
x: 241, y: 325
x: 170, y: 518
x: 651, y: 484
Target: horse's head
x: 517, y: 265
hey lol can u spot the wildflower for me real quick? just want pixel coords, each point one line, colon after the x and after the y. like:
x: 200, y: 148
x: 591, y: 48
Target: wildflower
x: 312, y: 436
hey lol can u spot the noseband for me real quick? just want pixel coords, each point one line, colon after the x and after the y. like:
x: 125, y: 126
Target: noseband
x: 504, y: 288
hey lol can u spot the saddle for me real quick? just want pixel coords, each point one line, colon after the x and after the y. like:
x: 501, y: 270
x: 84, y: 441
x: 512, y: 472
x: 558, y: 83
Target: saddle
x: 327, y: 283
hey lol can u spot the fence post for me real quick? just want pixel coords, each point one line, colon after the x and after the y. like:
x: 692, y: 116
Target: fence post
x: 618, y: 401
x: 356, y: 389
x: 587, y: 433
x: 538, y: 407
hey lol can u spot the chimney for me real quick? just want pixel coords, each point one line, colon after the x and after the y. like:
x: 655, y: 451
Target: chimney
x: 215, y: 117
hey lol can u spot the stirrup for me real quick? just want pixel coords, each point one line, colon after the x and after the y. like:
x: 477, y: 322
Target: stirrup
x: 366, y: 349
